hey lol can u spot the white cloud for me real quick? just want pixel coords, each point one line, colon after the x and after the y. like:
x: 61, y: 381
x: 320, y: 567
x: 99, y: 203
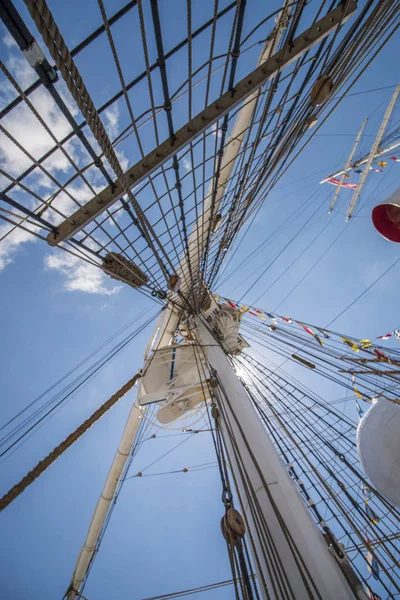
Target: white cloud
x: 80, y: 275
x: 19, y: 67
x: 111, y: 119
x: 124, y: 161
x: 9, y: 41
x: 213, y: 129
x: 187, y: 164
x: 10, y: 245
x: 117, y: 213
x: 21, y: 123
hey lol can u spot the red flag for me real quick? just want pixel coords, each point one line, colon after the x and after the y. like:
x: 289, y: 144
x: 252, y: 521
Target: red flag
x: 334, y: 181
x: 309, y: 330
x: 380, y: 354
x: 287, y: 320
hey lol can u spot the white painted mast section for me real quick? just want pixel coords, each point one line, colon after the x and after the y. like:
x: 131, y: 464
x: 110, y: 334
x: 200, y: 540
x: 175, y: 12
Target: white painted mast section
x: 374, y: 150
x: 198, y: 238
x: 168, y: 321
x: 104, y: 502
x: 321, y: 565
x: 347, y: 166
x: 199, y: 235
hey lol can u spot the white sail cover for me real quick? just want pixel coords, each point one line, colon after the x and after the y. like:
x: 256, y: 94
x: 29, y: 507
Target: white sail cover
x: 378, y: 441
x: 175, y: 378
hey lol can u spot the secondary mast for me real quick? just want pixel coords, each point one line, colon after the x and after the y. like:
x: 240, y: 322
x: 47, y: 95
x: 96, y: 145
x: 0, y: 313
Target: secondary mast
x: 348, y: 164
x: 373, y: 152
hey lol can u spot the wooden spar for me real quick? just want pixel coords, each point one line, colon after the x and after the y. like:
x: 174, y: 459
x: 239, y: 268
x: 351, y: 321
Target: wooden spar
x: 347, y: 167
x: 249, y: 85
x: 373, y: 152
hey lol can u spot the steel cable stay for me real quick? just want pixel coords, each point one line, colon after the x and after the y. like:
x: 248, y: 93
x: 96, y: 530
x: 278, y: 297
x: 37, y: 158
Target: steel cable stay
x: 331, y: 111
x: 196, y: 205
x: 332, y: 362
x: 76, y: 367
x: 143, y: 429
x: 257, y: 385
x: 261, y: 247
x: 61, y: 148
x: 264, y: 372
x: 42, y: 413
x: 145, y: 425
x: 328, y: 442
x: 222, y: 278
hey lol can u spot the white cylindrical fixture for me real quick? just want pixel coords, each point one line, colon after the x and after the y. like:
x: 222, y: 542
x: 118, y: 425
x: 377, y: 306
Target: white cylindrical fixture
x: 386, y: 218
x: 256, y: 448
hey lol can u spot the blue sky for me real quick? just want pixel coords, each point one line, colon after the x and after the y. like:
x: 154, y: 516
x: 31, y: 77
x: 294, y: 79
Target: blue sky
x: 164, y: 534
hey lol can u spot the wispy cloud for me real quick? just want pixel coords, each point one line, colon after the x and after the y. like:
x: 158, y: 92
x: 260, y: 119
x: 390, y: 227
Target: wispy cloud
x: 9, y: 41
x: 11, y: 244
x: 111, y: 120
x: 214, y: 131
x: 79, y: 275
x: 22, y: 124
x: 187, y: 164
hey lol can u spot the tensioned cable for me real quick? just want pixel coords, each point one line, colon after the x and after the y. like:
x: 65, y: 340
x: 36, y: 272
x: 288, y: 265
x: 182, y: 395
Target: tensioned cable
x: 42, y: 413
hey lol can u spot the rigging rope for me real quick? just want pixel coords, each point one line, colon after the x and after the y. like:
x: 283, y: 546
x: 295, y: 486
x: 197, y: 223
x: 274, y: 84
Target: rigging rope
x: 43, y: 413
x: 58, y: 49
x: 44, y: 464
x: 298, y: 424
x: 196, y: 590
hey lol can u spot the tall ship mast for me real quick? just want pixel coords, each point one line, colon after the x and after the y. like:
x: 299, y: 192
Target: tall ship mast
x: 142, y: 156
